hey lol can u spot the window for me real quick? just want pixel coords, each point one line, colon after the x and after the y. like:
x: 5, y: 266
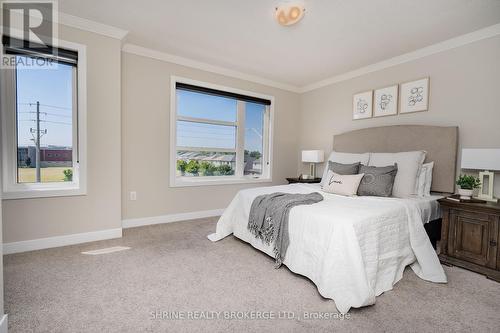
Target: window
x: 43, y: 119
x: 218, y: 135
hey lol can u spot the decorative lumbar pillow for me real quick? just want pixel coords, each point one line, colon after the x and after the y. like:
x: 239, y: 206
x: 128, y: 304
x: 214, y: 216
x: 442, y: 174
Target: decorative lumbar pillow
x: 345, y: 158
x: 342, y: 184
x: 409, y: 164
x: 344, y: 169
x: 377, y: 181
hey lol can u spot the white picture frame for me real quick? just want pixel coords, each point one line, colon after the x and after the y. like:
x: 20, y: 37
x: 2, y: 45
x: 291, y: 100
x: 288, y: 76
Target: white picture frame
x: 386, y: 101
x: 414, y: 96
x: 362, y: 105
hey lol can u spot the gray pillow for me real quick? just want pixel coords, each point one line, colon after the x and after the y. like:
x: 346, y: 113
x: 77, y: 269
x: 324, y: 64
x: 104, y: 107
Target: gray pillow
x: 378, y: 181
x: 344, y: 169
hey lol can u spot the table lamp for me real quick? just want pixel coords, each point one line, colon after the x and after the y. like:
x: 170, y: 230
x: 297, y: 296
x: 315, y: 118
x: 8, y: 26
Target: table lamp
x: 483, y: 159
x: 313, y: 157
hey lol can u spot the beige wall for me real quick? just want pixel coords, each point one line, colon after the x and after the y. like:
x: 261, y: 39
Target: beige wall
x: 100, y: 209
x: 145, y: 139
x: 465, y: 85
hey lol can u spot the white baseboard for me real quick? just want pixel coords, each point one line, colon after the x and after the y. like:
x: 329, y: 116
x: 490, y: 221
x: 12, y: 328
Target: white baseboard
x: 45, y: 243
x: 138, y: 222
x: 4, y: 324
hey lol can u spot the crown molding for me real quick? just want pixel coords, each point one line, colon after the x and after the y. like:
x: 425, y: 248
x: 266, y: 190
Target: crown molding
x: 91, y: 26
x: 88, y: 25
x: 446, y: 45
x: 162, y: 56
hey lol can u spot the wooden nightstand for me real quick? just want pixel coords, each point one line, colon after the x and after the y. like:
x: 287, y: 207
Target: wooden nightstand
x: 469, y: 236
x: 300, y: 180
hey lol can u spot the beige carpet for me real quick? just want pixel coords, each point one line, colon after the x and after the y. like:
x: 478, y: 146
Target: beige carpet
x: 175, y: 268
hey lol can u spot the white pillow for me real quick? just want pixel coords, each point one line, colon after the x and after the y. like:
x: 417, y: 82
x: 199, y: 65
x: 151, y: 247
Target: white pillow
x: 428, y: 179
x: 344, y: 158
x: 409, y: 164
x: 420, y: 184
x: 424, y: 180
x: 342, y: 184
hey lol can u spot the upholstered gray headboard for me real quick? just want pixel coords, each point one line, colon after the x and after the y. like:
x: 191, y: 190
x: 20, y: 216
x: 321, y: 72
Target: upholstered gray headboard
x: 441, y: 144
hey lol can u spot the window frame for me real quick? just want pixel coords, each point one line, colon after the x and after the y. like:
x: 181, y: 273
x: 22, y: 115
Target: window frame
x: 11, y: 189
x: 238, y: 177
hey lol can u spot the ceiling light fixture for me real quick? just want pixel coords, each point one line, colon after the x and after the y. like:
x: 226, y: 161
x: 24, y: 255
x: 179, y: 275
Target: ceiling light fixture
x: 289, y: 13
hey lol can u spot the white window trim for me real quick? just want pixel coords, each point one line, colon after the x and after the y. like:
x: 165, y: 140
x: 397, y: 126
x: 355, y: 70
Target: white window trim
x: 219, y: 180
x: 13, y: 190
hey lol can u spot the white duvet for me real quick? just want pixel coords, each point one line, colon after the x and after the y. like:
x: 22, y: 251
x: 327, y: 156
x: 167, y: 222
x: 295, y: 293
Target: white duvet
x: 352, y: 248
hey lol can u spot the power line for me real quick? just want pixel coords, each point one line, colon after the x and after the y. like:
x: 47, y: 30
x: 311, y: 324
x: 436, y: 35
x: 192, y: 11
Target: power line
x: 203, y: 137
x: 209, y: 133
x: 58, y: 115
x: 55, y: 122
x: 207, y: 126
x: 47, y: 105
x: 56, y: 107
x: 202, y: 125
x: 47, y: 114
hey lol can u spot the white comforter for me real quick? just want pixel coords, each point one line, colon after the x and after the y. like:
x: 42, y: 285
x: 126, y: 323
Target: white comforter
x: 352, y: 248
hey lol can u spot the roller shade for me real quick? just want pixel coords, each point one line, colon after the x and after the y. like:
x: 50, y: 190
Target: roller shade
x: 215, y: 92
x: 16, y: 46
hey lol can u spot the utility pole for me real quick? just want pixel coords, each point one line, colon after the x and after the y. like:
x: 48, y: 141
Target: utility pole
x: 38, y: 133
x: 38, y: 172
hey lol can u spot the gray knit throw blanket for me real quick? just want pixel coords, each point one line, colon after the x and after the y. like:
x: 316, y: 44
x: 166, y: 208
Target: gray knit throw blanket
x: 268, y: 218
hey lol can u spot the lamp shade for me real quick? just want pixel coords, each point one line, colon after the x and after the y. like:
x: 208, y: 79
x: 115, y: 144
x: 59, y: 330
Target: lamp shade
x: 481, y: 159
x: 313, y: 156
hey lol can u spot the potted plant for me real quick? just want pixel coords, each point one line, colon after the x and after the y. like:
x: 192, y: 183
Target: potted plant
x: 467, y: 185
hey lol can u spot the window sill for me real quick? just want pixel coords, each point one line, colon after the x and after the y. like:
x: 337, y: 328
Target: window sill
x: 205, y: 181
x: 42, y: 193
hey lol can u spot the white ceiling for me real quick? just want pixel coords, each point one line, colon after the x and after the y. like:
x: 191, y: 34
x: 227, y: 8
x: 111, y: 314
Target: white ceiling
x: 335, y: 36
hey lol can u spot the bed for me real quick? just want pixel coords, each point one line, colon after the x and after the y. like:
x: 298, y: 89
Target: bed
x: 356, y: 248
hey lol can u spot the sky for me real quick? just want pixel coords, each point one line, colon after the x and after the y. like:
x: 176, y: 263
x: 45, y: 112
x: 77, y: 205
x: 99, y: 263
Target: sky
x: 52, y: 87
x: 192, y: 104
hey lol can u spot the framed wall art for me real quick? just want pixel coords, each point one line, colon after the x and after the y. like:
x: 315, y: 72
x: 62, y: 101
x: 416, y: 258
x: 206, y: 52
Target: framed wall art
x: 386, y: 101
x: 415, y: 96
x: 362, y: 105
